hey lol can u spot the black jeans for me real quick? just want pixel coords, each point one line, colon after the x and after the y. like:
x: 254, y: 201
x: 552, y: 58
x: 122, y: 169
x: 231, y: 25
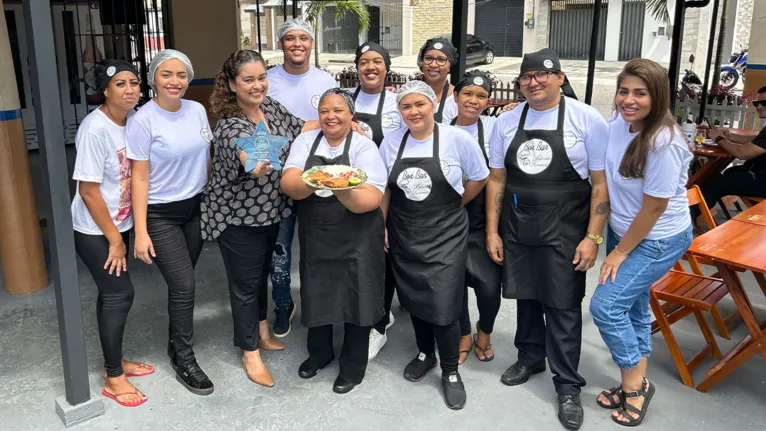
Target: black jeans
x: 541, y: 332
x: 174, y: 229
x: 247, y: 253
x: 736, y: 181
x: 488, y: 301
x: 115, y: 296
x: 388, y: 298
x: 447, y: 338
x: 353, y: 354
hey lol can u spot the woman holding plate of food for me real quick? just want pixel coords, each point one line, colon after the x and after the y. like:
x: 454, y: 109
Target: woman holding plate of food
x: 341, y: 233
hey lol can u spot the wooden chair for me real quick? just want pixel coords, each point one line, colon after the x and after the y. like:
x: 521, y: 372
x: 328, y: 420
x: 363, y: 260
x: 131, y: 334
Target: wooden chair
x: 751, y: 201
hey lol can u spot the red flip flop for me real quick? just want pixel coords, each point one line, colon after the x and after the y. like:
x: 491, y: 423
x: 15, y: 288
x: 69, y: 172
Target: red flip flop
x: 141, y: 365
x: 122, y: 403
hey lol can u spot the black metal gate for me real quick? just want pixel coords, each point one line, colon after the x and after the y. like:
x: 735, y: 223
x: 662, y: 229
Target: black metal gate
x: 386, y: 26
x: 501, y: 23
x: 570, y: 28
x: 632, y: 29
x: 342, y: 36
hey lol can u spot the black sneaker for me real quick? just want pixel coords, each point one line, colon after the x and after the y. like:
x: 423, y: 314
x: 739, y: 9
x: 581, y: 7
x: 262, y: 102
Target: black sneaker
x: 192, y: 376
x: 418, y: 367
x: 454, y: 391
x: 284, y: 318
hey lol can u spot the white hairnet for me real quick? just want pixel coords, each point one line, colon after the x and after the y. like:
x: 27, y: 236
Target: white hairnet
x: 418, y: 87
x: 165, y: 55
x: 295, y: 24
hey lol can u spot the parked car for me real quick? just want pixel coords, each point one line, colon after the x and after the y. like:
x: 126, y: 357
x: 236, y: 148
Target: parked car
x: 478, y: 51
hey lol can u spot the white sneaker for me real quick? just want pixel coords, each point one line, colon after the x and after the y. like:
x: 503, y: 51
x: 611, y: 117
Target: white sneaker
x: 377, y: 341
x: 390, y: 321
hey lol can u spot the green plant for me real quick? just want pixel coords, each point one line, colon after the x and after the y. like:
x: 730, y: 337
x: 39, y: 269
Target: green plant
x: 245, y: 41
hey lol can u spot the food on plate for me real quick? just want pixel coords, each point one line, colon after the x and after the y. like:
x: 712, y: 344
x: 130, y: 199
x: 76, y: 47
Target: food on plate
x: 319, y: 176
x: 336, y: 183
x: 334, y: 177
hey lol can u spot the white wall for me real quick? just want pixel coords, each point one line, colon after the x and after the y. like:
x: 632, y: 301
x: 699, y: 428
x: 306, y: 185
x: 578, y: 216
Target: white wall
x: 406, y: 27
x: 472, y: 16
x: 653, y: 47
x: 613, y: 25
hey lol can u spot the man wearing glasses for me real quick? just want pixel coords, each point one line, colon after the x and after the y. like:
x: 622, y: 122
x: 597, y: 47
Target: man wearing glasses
x: 547, y: 204
x: 748, y: 179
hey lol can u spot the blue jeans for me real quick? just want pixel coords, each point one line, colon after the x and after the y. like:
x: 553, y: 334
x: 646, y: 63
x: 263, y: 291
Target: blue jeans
x: 620, y: 310
x: 280, y: 263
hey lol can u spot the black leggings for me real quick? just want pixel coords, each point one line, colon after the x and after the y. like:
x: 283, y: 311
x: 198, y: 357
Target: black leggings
x: 246, y: 252
x: 115, y: 297
x: 737, y: 181
x: 353, y: 354
x: 174, y: 229
x: 488, y: 301
x: 447, y: 338
x: 388, y: 298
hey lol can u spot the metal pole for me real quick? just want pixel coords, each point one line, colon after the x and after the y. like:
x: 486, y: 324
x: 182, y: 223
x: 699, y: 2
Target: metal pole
x: 675, y: 52
x: 708, y: 58
x: 50, y: 133
x: 594, y: 39
x: 284, y: 10
x: 459, y: 31
x: 258, y: 23
x: 295, y: 8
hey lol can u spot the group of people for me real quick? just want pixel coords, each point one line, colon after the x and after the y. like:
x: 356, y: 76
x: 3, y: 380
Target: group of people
x: 513, y: 207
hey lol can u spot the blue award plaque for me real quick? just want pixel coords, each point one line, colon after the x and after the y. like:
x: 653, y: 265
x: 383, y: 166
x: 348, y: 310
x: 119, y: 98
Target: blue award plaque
x: 260, y: 146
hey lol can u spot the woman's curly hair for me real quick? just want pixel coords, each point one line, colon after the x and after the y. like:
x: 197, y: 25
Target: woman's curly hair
x: 223, y: 101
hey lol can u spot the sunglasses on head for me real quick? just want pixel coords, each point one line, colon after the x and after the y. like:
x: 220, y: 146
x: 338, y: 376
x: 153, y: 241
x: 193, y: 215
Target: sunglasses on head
x: 759, y: 103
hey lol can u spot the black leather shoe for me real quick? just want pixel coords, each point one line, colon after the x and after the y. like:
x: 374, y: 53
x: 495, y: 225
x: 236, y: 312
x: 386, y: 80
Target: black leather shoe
x: 192, y: 376
x: 418, y: 367
x: 309, y: 368
x: 518, y: 373
x: 454, y: 391
x: 343, y: 385
x: 570, y: 411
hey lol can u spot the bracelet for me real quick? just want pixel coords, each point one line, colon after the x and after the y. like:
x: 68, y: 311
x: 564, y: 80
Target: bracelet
x: 621, y: 253
x: 719, y: 139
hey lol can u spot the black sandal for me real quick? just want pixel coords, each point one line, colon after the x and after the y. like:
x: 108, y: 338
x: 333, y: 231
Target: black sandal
x: 487, y: 358
x: 647, y: 391
x: 609, y: 395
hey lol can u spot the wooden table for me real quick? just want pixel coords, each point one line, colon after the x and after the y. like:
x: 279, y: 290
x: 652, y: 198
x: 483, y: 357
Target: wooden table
x: 755, y: 214
x: 743, y: 245
x: 718, y: 160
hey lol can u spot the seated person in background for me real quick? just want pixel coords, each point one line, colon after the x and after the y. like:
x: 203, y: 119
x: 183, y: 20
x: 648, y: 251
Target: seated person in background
x: 748, y: 179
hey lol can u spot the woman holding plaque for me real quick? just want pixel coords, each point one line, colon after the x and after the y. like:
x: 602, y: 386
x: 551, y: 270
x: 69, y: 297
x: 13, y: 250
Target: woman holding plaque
x: 341, y: 237
x: 242, y: 205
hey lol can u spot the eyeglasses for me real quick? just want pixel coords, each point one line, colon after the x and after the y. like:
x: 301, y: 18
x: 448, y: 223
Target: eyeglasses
x: 759, y: 103
x: 541, y: 78
x: 441, y: 61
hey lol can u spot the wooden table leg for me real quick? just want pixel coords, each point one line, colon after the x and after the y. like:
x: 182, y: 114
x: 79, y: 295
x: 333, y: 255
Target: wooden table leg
x: 761, y: 279
x: 733, y: 360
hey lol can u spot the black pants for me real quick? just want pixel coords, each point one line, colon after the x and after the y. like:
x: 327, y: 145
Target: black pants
x: 541, y: 332
x: 488, y: 301
x: 246, y: 253
x: 446, y: 337
x: 388, y: 299
x: 736, y: 181
x: 174, y: 229
x: 115, y: 296
x: 353, y: 354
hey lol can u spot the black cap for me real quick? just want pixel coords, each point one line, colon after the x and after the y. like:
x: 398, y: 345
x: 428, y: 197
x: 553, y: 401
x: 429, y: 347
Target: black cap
x: 475, y: 77
x: 440, y: 44
x: 372, y: 46
x: 545, y: 59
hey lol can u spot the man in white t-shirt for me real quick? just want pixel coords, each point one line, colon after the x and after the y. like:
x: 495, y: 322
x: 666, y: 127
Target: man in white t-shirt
x: 295, y: 83
x: 544, y: 222
x: 297, y: 86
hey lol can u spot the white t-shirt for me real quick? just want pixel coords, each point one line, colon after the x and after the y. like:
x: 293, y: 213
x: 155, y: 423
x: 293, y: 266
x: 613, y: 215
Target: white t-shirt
x: 101, y: 158
x: 585, y: 134
x: 299, y: 93
x: 177, y: 145
x: 488, y: 123
x: 458, y: 153
x: 391, y: 119
x: 665, y: 176
x: 450, y: 109
x: 362, y: 154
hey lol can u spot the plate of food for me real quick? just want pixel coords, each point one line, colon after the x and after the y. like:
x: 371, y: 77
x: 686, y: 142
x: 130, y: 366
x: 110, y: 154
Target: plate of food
x: 334, y: 177
x: 710, y: 142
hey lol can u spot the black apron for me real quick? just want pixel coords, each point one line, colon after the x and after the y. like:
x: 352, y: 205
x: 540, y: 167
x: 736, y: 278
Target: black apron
x: 427, y: 237
x: 372, y: 121
x: 545, y: 215
x: 438, y: 114
x: 481, y: 271
x: 341, y: 268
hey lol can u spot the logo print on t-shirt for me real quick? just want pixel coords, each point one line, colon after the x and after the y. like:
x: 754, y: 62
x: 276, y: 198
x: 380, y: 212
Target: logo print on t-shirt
x: 386, y: 121
x: 445, y: 167
x: 570, y: 139
x: 323, y: 193
x: 534, y: 156
x: 366, y: 129
x: 206, y: 135
x: 415, y: 183
x: 315, y: 101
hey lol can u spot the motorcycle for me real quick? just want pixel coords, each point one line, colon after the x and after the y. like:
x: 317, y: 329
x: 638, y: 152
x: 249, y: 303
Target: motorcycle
x: 730, y: 74
x: 691, y: 84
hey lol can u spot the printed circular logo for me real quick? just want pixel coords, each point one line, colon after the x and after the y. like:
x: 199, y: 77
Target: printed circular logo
x: 415, y: 183
x: 438, y: 45
x: 111, y: 71
x: 315, y: 101
x: 366, y: 129
x: 548, y: 64
x: 323, y: 193
x: 478, y: 81
x: 534, y: 156
x: 386, y: 121
x: 206, y: 135
x: 365, y: 48
x: 570, y: 140
x: 444, y: 166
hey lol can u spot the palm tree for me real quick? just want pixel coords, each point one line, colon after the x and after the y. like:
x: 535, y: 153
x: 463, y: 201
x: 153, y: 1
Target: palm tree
x: 315, y: 9
x: 659, y: 10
